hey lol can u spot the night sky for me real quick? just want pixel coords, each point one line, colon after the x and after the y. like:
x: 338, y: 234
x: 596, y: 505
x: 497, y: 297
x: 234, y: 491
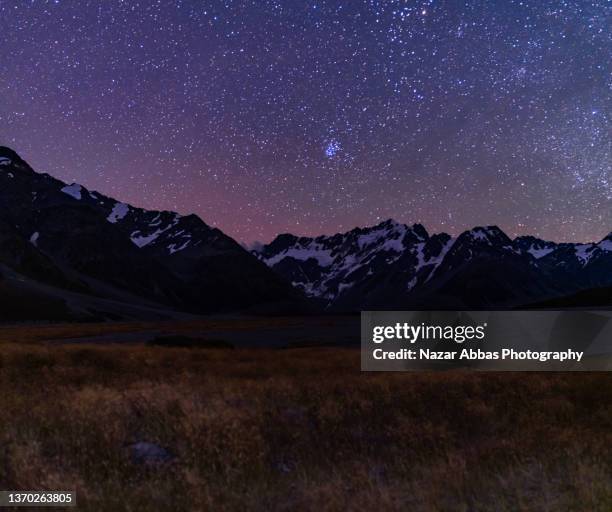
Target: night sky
x: 315, y: 117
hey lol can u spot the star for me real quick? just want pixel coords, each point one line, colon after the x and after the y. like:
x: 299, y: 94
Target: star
x: 332, y: 148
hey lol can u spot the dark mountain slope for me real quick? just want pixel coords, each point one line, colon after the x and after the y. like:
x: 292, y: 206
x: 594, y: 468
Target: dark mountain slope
x: 79, y: 240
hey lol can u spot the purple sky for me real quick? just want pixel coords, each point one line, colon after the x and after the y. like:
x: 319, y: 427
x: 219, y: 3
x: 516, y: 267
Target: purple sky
x: 315, y: 117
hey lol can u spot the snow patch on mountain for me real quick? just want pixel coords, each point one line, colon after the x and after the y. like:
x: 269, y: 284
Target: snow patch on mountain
x: 120, y: 210
x: 605, y: 245
x: 390, y: 234
x: 172, y: 248
x: 142, y: 240
x: 411, y: 284
x: 584, y: 252
x: 394, y: 244
x: 5, y: 161
x: 344, y: 286
x: 74, y: 190
x: 534, y: 246
x: 303, y: 253
x: 541, y: 252
x: 156, y: 221
x: 380, y: 233
x: 436, y: 260
x: 480, y: 234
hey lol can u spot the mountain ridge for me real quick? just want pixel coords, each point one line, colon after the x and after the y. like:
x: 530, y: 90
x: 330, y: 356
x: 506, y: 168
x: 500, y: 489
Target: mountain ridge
x: 345, y: 270
x: 94, y: 244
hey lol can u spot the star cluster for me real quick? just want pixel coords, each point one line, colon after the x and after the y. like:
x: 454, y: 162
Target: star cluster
x: 317, y: 116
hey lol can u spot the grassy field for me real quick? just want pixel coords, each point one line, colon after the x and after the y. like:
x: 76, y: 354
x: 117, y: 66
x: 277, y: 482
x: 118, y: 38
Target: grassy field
x: 298, y: 429
x: 32, y: 332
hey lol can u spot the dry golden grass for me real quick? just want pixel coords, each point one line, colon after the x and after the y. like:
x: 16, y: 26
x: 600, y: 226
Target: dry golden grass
x: 298, y: 429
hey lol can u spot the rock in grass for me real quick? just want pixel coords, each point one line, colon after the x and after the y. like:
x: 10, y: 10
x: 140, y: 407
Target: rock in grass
x: 149, y: 454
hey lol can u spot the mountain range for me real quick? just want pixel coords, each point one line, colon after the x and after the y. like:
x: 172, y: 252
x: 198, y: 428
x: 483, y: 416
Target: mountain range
x: 70, y: 253
x: 396, y: 266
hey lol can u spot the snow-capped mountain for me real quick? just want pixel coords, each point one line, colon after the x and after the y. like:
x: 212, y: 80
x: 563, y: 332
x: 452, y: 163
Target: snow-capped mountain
x: 65, y: 236
x: 392, y: 265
